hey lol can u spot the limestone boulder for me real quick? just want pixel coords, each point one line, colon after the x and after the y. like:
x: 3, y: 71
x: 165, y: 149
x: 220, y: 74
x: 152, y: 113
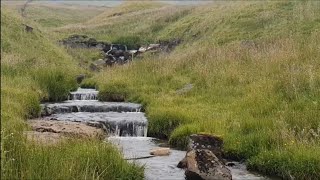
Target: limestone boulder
x: 160, y: 152
x: 202, y: 164
x: 204, y: 160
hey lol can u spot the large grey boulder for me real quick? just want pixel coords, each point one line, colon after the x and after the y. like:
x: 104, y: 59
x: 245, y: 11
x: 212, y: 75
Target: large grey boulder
x: 202, y: 164
x: 203, y: 160
x: 206, y: 141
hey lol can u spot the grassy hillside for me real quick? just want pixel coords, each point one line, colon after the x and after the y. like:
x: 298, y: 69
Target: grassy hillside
x: 255, y: 71
x: 131, y: 23
x: 32, y: 69
x: 55, y: 14
x: 254, y: 67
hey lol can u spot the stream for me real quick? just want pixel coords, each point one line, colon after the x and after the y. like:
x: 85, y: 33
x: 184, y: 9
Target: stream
x: 127, y: 128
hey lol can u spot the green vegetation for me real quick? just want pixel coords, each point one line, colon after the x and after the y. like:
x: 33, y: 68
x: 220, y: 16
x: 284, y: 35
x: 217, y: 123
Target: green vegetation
x: 32, y: 69
x: 254, y: 67
x: 85, y: 56
x: 255, y: 71
x: 56, y: 15
x: 124, y: 25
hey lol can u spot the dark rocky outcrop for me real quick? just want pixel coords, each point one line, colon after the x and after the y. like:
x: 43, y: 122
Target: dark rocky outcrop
x: 113, y: 53
x: 28, y: 28
x: 116, y: 53
x: 203, y: 160
x: 83, y: 41
x: 80, y: 78
x: 169, y: 45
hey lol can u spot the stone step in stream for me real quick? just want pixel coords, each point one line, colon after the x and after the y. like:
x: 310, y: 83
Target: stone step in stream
x: 114, y: 123
x: 127, y: 128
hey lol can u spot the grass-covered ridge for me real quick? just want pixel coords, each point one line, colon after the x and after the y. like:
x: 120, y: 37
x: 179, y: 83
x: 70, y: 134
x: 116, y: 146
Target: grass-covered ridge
x: 133, y: 23
x: 256, y: 76
x: 50, y: 15
x: 32, y: 69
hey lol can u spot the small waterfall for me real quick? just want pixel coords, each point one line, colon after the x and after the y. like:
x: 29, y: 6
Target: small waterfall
x: 84, y: 94
x: 128, y: 128
x: 90, y: 106
x: 135, y: 129
x: 116, y: 118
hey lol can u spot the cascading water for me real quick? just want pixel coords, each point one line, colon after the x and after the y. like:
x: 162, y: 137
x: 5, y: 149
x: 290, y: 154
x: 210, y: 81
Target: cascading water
x: 115, y: 123
x: 84, y: 94
x: 116, y: 118
x: 127, y: 127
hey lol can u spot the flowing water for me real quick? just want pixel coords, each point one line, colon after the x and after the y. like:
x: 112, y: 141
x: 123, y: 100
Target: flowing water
x: 127, y: 127
x: 84, y: 94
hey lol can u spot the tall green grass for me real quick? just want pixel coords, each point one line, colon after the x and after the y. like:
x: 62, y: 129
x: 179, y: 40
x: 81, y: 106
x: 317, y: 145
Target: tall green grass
x: 255, y: 71
x: 33, y: 68
x: 84, y: 159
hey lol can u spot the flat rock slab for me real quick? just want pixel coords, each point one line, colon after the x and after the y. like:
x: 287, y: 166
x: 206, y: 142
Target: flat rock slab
x: 114, y: 123
x: 52, y: 131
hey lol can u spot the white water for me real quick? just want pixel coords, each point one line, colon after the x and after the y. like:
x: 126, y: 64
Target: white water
x: 159, y: 167
x: 116, y: 118
x: 128, y: 129
x: 165, y: 167
x: 84, y: 94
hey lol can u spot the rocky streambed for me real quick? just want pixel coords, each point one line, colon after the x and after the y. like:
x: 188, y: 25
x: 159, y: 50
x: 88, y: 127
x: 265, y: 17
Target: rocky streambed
x: 126, y: 127
x: 116, y: 53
